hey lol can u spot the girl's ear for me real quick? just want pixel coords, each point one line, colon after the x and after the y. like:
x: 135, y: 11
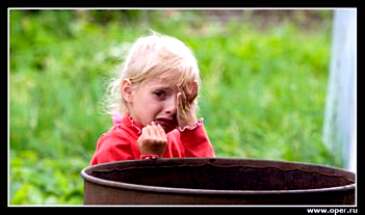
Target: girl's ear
x: 126, y: 90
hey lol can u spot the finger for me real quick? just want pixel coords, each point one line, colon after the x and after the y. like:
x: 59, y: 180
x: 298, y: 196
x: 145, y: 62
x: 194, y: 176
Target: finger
x: 186, y: 89
x: 182, y: 97
x: 156, y: 132
x: 193, y: 90
x: 144, y: 130
x: 183, y: 106
x: 161, y: 132
x: 148, y: 132
x: 163, y: 137
x: 178, y: 101
x: 180, y: 105
x: 184, y: 102
x: 152, y: 125
x: 159, y: 135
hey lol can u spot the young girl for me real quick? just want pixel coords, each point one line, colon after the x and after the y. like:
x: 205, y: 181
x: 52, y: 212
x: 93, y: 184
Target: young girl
x: 156, y: 105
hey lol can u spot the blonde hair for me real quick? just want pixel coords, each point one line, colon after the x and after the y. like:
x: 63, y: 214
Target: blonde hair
x: 152, y: 56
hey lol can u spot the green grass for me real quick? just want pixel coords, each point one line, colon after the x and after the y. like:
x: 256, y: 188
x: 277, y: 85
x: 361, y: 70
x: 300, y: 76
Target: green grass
x: 262, y: 97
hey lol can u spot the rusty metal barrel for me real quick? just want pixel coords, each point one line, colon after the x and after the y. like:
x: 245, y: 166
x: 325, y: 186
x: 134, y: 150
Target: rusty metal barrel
x: 216, y: 181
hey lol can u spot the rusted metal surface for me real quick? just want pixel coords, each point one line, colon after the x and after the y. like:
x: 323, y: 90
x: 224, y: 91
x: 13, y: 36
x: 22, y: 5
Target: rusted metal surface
x: 217, y: 181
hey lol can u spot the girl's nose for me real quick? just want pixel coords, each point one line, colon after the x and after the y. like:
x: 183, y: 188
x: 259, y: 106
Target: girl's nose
x: 170, y: 105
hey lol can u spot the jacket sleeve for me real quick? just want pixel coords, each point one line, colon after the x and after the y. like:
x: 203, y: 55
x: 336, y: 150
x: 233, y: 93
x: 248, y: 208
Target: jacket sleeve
x: 112, y: 148
x: 196, y: 142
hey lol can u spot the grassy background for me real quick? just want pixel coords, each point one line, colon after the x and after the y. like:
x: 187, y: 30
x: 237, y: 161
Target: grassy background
x: 263, y: 95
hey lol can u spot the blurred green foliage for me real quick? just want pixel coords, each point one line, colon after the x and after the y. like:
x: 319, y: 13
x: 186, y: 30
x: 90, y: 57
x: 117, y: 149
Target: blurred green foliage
x: 262, y: 97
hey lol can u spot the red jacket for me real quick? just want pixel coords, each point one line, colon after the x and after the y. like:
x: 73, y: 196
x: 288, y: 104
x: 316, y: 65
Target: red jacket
x: 120, y: 143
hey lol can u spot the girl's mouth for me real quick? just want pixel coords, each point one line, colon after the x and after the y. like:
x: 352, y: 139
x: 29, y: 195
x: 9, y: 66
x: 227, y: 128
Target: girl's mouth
x: 167, y: 124
x: 164, y: 122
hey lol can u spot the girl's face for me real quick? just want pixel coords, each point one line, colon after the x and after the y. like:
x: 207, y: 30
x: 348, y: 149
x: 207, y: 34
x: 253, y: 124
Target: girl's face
x: 154, y: 100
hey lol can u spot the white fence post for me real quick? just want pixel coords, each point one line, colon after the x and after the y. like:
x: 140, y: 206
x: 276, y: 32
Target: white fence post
x: 340, y: 131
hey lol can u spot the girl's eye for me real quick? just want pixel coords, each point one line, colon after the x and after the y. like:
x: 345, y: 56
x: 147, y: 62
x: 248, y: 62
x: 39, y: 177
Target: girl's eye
x: 160, y: 93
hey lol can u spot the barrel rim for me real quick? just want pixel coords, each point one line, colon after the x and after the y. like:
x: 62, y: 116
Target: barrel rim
x: 159, y: 189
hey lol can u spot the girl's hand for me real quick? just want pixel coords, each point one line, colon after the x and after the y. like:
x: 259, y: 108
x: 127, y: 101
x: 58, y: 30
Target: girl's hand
x: 186, y: 110
x: 153, y: 140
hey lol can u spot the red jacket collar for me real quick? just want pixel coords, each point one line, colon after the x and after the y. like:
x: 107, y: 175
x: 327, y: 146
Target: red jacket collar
x: 131, y: 123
